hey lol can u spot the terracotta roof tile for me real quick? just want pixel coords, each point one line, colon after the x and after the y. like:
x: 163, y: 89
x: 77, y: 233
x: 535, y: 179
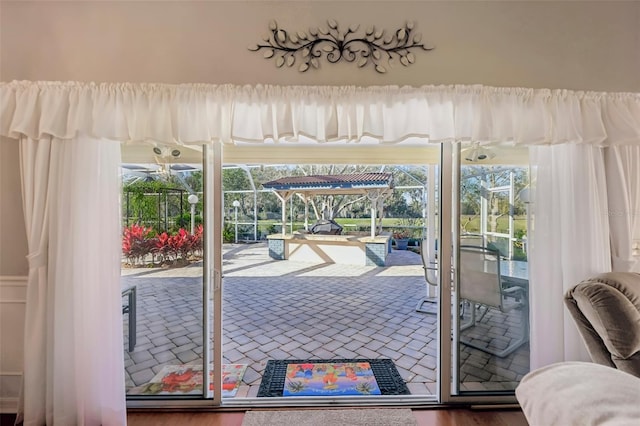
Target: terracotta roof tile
x: 330, y: 180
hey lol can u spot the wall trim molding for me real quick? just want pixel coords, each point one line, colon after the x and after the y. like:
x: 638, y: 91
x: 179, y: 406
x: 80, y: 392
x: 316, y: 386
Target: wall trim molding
x: 13, y: 280
x: 17, y: 282
x: 8, y: 405
x: 13, y: 290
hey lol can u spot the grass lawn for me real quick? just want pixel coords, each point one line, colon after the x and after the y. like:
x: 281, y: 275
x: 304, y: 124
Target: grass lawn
x: 469, y: 224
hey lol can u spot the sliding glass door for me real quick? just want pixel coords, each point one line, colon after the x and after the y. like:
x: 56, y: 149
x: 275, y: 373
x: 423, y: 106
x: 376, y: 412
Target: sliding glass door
x: 167, y: 253
x: 489, y: 293
x: 471, y: 237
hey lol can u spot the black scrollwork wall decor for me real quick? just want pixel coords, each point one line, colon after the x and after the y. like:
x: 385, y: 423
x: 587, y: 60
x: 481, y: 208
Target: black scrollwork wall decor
x: 375, y: 47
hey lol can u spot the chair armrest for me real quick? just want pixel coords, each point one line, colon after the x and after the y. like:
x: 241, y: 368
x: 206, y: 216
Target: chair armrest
x: 579, y: 393
x: 515, y: 292
x: 612, y: 315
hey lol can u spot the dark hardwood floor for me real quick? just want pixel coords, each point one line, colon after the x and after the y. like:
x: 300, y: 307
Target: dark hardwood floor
x: 7, y: 419
x: 424, y: 417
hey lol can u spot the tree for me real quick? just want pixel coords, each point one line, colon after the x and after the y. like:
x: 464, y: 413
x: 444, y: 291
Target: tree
x: 407, y: 202
x: 236, y: 179
x: 194, y: 180
x: 474, y: 180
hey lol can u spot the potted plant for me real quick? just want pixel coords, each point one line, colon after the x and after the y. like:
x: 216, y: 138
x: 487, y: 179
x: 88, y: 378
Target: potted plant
x: 402, y: 239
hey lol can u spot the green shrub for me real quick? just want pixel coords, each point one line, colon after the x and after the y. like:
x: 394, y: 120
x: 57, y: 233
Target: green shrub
x: 184, y: 221
x: 228, y: 233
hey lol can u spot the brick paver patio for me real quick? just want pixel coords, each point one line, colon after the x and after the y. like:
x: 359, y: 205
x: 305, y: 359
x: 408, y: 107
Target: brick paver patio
x: 294, y: 310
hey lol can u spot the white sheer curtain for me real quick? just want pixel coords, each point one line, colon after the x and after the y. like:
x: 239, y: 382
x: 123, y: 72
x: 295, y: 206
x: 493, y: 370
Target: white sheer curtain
x: 34, y: 160
x: 192, y: 113
x: 570, y: 242
x: 623, y: 189
x: 74, y: 363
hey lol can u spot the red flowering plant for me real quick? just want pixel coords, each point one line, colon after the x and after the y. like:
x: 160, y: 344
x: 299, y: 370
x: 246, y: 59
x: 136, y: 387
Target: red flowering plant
x: 196, y: 241
x: 161, y: 248
x: 136, y: 243
x: 179, y: 246
x: 189, y: 244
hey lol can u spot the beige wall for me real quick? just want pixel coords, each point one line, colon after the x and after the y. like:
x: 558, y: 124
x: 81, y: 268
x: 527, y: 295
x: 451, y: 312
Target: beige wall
x: 13, y: 243
x: 572, y: 45
x: 565, y: 44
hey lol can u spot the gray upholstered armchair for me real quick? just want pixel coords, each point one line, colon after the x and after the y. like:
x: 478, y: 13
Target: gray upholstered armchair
x: 606, y: 309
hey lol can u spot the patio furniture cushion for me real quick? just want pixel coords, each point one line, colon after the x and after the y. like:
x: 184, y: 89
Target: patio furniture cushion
x: 579, y: 393
x: 606, y: 309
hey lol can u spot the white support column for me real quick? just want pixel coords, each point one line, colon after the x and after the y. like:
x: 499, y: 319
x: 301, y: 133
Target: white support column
x: 374, y: 196
x: 484, y: 204
x: 255, y: 216
x: 284, y: 216
x: 291, y: 214
x: 255, y: 200
x: 374, y: 211
x: 305, y: 198
x: 284, y: 197
x: 306, y: 212
x: 512, y: 200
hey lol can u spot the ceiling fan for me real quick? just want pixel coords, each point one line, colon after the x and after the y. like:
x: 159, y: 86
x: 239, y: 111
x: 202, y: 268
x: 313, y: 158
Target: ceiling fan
x: 476, y: 153
x: 166, y: 152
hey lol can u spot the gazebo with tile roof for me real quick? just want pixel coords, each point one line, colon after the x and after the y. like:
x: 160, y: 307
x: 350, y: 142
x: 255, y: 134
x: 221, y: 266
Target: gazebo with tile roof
x: 376, y: 186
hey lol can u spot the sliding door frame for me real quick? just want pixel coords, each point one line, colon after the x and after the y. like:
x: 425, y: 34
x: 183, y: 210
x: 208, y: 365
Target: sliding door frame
x: 448, y: 330
x: 447, y: 387
x: 212, y: 173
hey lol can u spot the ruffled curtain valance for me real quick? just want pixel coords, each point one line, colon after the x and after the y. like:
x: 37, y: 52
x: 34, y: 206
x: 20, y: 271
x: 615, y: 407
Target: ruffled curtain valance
x: 193, y: 113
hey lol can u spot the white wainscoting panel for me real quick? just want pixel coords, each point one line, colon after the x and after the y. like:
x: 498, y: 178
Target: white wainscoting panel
x: 13, y: 291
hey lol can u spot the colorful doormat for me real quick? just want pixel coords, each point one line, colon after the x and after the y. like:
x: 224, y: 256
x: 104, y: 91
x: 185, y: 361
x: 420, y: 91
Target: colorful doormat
x: 187, y: 380
x: 336, y: 377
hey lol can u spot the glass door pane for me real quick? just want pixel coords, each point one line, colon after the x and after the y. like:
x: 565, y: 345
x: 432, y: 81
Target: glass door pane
x: 162, y: 271
x: 323, y: 299
x: 491, y: 316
